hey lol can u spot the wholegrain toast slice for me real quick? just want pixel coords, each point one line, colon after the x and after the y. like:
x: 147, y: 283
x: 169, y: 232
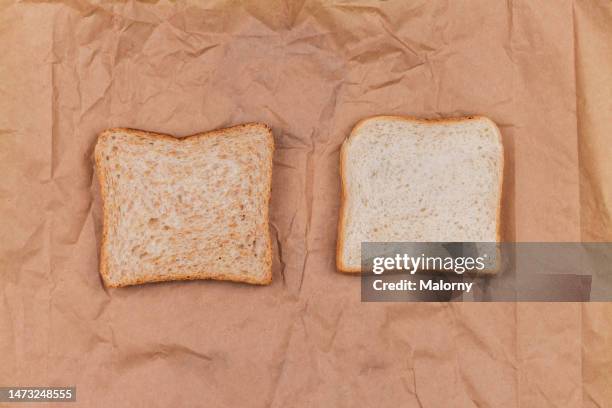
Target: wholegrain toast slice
x: 185, y: 208
x: 411, y: 180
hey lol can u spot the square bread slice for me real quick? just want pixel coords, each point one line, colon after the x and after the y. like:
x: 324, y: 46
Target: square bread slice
x: 411, y: 180
x: 185, y: 208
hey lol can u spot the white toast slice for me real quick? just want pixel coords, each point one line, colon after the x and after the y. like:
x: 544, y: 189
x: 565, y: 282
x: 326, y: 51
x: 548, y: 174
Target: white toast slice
x: 412, y: 180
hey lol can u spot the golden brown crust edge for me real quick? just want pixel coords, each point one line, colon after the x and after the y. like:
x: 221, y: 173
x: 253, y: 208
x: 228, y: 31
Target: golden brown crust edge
x: 102, y: 182
x: 103, y: 263
x: 341, y: 220
x: 436, y: 121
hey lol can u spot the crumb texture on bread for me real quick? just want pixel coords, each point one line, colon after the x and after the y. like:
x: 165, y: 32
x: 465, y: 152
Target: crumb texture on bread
x: 191, y: 208
x: 407, y: 180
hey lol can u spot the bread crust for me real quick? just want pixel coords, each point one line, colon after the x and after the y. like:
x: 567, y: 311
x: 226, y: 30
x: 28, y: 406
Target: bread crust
x: 436, y: 121
x: 100, y: 170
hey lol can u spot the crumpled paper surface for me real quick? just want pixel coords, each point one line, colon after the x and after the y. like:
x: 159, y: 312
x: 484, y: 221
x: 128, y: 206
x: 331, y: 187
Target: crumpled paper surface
x: 71, y: 68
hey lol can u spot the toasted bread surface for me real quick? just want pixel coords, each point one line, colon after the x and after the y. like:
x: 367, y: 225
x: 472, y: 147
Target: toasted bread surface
x: 185, y: 208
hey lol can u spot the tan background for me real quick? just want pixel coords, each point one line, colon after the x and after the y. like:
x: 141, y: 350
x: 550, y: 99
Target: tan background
x: 69, y: 69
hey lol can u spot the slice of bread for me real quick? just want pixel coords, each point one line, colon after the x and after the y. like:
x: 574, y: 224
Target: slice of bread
x: 188, y: 208
x: 411, y: 180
